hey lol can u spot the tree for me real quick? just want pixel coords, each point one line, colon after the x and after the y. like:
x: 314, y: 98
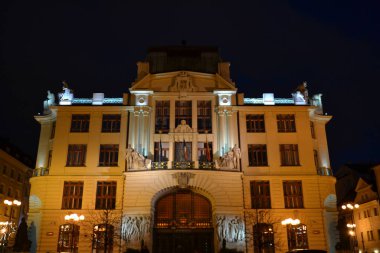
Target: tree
x: 105, y: 229
x: 261, y: 228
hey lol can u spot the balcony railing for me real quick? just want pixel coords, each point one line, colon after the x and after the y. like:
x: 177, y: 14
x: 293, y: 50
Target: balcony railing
x: 323, y: 171
x: 40, y: 172
x: 159, y: 165
x: 183, y: 165
x: 207, y: 165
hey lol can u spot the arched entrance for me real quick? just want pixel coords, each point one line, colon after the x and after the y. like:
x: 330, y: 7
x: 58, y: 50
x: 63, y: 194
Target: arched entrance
x: 183, y: 223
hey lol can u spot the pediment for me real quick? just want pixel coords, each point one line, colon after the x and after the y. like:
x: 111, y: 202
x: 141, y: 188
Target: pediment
x: 183, y: 81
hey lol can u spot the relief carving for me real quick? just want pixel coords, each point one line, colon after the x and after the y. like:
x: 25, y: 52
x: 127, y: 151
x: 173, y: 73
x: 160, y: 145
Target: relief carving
x: 230, y: 228
x: 135, y: 228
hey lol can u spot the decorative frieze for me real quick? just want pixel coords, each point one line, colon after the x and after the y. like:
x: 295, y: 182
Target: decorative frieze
x: 135, y: 228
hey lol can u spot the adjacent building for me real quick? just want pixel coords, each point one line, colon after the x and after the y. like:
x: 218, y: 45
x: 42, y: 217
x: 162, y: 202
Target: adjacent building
x: 15, y: 172
x: 358, y: 199
x: 182, y: 162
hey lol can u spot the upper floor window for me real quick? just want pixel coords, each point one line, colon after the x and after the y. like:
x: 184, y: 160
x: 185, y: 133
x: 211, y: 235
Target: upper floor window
x: 183, y: 151
x: 183, y: 111
x: 72, y: 195
x: 162, y: 116
x: 9, y: 193
x: 205, y: 152
x: 52, y: 133
x: 76, y: 155
x: 293, y: 196
x: 105, y: 195
x: 370, y: 235
x: 286, y: 123
x: 80, y: 123
x: 204, y: 116
x: 312, y: 129
x: 12, y: 173
x: 109, y: 155
x: 1, y: 189
x: 316, y: 159
x: 161, y: 151
x: 255, y: 123
x: 49, y: 158
x: 111, y: 123
x: 5, y: 170
x: 260, y: 195
x: 289, y: 155
x: 257, y: 155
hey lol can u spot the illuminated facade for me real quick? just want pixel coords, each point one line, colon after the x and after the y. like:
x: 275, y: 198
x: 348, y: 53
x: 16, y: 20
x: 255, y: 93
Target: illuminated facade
x: 186, y: 162
x: 15, y: 172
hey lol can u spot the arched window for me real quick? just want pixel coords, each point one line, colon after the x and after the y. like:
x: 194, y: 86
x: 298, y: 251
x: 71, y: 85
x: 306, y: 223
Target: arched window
x: 102, y: 237
x: 68, y: 238
x: 263, y: 237
x: 183, y: 209
x: 297, y: 237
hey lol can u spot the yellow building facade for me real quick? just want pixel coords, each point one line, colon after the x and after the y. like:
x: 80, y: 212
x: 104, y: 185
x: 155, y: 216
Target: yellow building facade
x: 183, y: 163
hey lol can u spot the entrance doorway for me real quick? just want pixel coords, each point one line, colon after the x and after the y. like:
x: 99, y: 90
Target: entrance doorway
x: 183, y: 224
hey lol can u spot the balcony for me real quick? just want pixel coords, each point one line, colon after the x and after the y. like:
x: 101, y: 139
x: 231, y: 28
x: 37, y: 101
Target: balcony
x: 159, y: 165
x: 40, y: 172
x: 207, y: 165
x: 183, y: 165
x: 323, y: 171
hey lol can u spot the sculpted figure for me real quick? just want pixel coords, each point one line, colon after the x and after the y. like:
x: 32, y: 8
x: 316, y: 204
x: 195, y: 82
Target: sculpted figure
x: 237, y: 156
x: 183, y: 128
x: 67, y: 94
x: 136, y: 161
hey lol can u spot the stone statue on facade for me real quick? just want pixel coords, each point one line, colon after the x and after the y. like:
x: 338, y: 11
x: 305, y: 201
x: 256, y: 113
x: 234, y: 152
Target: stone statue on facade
x: 136, y: 161
x: 135, y: 228
x: 230, y: 228
x: 230, y: 160
x: 67, y: 94
x: 183, y: 128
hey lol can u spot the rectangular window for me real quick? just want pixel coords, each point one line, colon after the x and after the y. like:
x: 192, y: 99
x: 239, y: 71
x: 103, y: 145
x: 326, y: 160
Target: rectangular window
x: 52, y: 133
x: 257, y: 155
x: 205, y: 152
x: 255, y: 123
x: 204, y: 117
x: 68, y: 238
x: 183, y: 111
x: 49, y: 158
x: 111, y: 123
x: 293, y: 194
x: 378, y: 234
x: 375, y: 212
x: 80, y: 123
x: 260, y: 195
x: 162, y: 116
x: 163, y: 149
x: 105, y: 195
x: 72, y: 195
x: 370, y: 235
x: 183, y: 152
x: 316, y: 159
x: 312, y: 129
x: 76, y: 155
x: 109, y: 155
x: 289, y: 155
x: 286, y: 123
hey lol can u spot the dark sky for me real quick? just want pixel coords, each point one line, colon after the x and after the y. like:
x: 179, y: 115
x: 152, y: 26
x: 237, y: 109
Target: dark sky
x: 272, y: 46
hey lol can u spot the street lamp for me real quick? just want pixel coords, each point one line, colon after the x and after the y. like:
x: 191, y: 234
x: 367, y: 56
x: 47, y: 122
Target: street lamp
x: 351, y: 226
x: 6, y: 230
x: 73, y: 218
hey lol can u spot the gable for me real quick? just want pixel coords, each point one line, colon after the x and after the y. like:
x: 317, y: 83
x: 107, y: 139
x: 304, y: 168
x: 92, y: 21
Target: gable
x: 183, y: 81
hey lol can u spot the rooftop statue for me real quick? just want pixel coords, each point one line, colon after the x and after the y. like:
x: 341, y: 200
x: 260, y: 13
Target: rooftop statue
x: 49, y: 102
x: 67, y: 94
x: 301, y: 95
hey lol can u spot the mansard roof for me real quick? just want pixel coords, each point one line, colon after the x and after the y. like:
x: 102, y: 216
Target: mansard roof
x: 203, y: 59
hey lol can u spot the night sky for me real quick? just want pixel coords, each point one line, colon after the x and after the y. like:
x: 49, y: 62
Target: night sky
x: 272, y: 45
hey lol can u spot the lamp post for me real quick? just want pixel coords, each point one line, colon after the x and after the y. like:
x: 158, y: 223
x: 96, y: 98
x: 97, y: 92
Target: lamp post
x: 351, y: 226
x: 73, y: 218
x: 6, y: 231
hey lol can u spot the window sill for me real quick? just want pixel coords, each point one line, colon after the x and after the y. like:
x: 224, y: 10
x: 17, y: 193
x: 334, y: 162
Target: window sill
x: 291, y: 165
x: 71, y: 166
x: 256, y: 166
x: 106, y: 166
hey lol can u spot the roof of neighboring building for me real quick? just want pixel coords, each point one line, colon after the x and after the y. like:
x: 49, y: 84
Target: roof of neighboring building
x: 203, y: 59
x: 348, y: 176
x: 15, y: 152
